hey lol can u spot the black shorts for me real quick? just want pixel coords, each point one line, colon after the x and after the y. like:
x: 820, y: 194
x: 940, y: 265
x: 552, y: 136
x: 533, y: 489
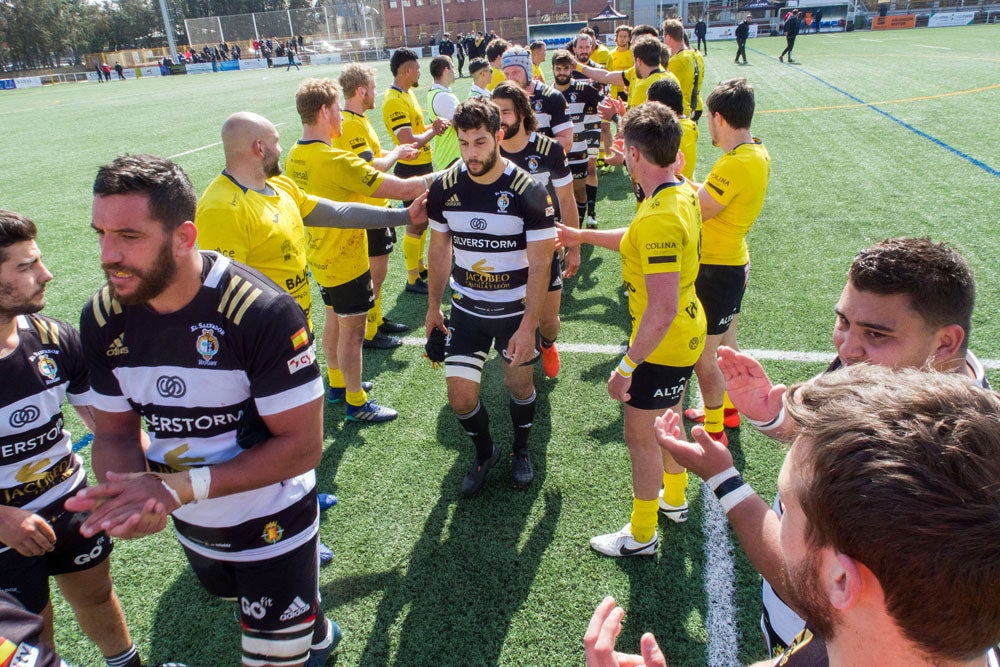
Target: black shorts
x: 555, y: 272
x: 278, y: 597
x: 720, y: 290
x: 355, y: 297
x: 579, y: 170
x: 658, y: 387
x: 27, y: 578
x: 470, y: 338
x: 381, y: 241
x: 410, y: 170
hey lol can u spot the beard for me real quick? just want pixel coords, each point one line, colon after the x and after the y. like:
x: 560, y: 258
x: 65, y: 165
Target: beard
x: 804, y: 584
x: 485, y: 167
x: 510, y: 130
x: 151, y: 282
x: 272, y: 165
x: 10, y: 309
x: 563, y: 79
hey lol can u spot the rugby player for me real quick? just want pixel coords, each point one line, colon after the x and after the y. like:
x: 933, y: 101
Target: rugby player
x: 890, y: 500
x: 42, y: 365
x: 907, y: 304
x: 479, y: 70
x: 551, y: 112
x: 358, y: 136
x: 496, y: 222
x: 220, y: 364
x: 537, y: 50
x: 404, y: 119
x: 582, y: 99
x: 647, y: 51
x: 338, y: 259
x: 441, y: 103
x: 544, y: 159
x: 494, y: 54
x: 731, y: 199
x: 685, y: 65
x: 659, y: 251
x: 667, y: 91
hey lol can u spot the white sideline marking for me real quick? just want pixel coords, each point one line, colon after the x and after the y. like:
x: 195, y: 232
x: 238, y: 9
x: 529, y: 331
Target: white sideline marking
x: 770, y: 355
x: 720, y: 580
x: 205, y: 147
x: 940, y: 48
x: 877, y: 41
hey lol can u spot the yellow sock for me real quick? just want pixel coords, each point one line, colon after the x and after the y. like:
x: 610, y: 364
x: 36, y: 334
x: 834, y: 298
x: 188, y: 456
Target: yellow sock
x: 413, y: 249
x: 674, y: 485
x: 357, y: 398
x: 336, y: 377
x: 726, y: 403
x: 644, y: 519
x: 373, y: 320
x: 713, y: 419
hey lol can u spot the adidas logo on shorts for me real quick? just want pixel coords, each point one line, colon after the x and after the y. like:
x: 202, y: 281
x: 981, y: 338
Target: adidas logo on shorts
x: 297, y: 608
x: 453, y: 201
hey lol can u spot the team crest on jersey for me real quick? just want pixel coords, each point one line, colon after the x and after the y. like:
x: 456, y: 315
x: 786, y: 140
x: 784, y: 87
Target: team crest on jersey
x: 47, y: 367
x: 272, y: 532
x: 532, y: 164
x: 572, y: 97
x: 537, y: 106
x: 207, y: 345
x: 503, y: 202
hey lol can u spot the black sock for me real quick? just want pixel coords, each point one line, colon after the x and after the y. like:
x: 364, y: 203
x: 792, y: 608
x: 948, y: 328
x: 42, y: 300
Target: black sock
x: 127, y: 658
x: 477, y: 424
x: 591, y: 199
x: 522, y: 414
x: 546, y: 342
x: 581, y: 210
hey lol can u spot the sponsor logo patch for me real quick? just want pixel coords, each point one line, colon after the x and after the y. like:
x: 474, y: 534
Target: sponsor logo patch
x: 304, y: 360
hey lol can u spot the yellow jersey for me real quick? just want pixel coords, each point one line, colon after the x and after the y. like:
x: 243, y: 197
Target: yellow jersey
x: 358, y: 135
x: 600, y: 55
x: 498, y: 77
x: 738, y: 181
x: 262, y: 230
x: 536, y: 73
x: 638, y: 89
x: 401, y: 109
x: 689, y: 146
x: 335, y: 256
x: 684, y: 65
x: 620, y: 60
x: 701, y: 80
x: 665, y: 237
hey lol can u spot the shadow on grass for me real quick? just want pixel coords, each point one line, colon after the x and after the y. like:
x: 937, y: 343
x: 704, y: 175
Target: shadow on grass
x: 472, y: 569
x: 193, y: 627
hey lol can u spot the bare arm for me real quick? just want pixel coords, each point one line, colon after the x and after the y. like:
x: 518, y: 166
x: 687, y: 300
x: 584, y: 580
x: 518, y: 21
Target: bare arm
x: 406, y: 189
x: 385, y: 161
x: 604, y: 238
x: 612, y: 77
x: 565, y: 139
x: 438, y: 270
x: 709, y: 207
x: 406, y: 136
x: 571, y: 218
x: 521, y: 347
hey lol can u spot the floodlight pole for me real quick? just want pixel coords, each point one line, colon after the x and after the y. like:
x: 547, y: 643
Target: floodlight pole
x: 402, y: 6
x: 167, y: 29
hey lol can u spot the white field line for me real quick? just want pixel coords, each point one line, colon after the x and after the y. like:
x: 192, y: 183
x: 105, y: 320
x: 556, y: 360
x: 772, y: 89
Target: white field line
x: 939, y: 48
x: 769, y: 355
x: 205, y: 147
x: 720, y: 580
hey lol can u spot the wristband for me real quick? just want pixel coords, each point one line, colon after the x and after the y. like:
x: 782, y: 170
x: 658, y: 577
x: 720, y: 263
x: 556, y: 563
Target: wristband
x: 729, y: 487
x: 736, y: 496
x: 201, y: 481
x: 716, y: 480
x: 771, y: 424
x: 626, y: 366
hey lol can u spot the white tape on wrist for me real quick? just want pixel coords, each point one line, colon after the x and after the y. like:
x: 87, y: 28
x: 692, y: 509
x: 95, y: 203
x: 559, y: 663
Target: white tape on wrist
x: 173, y: 493
x: 201, y: 482
x: 770, y: 425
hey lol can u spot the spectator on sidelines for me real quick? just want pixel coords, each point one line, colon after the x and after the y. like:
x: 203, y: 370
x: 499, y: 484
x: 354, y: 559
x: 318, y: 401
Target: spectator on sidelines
x: 890, y: 502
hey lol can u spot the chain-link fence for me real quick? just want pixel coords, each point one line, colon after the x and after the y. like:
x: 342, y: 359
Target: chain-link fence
x: 321, y: 27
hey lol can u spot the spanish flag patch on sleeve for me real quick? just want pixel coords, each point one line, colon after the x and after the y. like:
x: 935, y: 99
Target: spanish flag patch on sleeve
x: 300, y: 338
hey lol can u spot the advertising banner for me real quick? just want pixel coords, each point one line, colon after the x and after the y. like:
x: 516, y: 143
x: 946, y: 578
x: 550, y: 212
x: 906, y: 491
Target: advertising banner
x: 898, y: 22
x: 27, y: 82
x: 253, y: 63
x: 229, y: 66
x: 945, y: 19
x: 150, y: 71
x: 324, y: 58
x: 6, y: 84
x: 198, y: 68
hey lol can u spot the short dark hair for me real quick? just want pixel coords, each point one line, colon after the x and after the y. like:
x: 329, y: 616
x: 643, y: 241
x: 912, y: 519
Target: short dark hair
x: 647, y: 50
x: 535, y: 45
x: 935, y: 276
x: 14, y: 228
x: 438, y: 66
x: 476, y: 113
x: 645, y: 29
x: 899, y: 470
x: 508, y: 90
x: 667, y: 91
x: 172, y: 200
x: 674, y: 29
x: 626, y: 28
x: 496, y: 48
x: 563, y: 58
x: 655, y: 131
x: 734, y: 101
x: 477, y: 64
x: 400, y: 57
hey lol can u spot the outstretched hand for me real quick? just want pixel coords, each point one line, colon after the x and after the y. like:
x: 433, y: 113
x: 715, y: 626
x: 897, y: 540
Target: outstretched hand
x: 704, y: 457
x: 599, y: 641
x: 748, y: 386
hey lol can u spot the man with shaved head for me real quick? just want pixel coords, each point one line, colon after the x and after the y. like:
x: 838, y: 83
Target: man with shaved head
x: 253, y: 214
